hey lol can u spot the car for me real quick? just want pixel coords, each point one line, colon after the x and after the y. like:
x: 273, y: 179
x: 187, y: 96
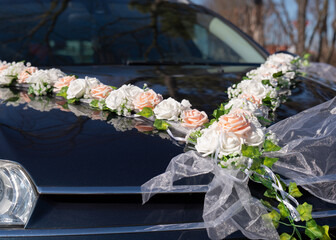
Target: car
x: 73, y: 172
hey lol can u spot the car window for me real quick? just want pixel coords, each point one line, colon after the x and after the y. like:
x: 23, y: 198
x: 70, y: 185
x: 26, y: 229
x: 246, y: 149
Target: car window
x: 74, y: 32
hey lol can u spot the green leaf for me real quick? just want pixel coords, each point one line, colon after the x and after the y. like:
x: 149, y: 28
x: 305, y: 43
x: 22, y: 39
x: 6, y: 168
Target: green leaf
x: 274, y: 216
x: 63, y: 92
x: 286, y: 236
x: 266, y: 204
x: 221, y: 111
x: 262, y: 119
x: 325, y: 231
x: 257, y: 178
x: 284, y: 186
x: 305, y: 211
x: 208, y: 124
x: 283, y: 210
x: 306, y: 56
x: 194, y: 135
x: 269, y: 146
x: 313, y: 231
x: 94, y: 103
x: 266, y: 82
x: 294, y: 190
x: 270, y: 193
x: 12, y: 99
x: 277, y: 74
x: 146, y: 112
x: 73, y: 100
x: 161, y: 125
x: 250, y: 151
x: 270, y: 161
x: 245, y: 78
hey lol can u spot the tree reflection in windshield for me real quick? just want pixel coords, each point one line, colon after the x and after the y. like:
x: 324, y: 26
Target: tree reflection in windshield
x: 74, y: 32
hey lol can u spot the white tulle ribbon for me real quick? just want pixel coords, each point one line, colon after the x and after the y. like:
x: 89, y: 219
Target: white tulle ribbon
x: 228, y: 204
x: 285, y: 196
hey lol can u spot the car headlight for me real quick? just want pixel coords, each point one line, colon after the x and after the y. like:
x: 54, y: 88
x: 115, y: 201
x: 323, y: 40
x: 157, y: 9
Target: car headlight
x: 17, y: 195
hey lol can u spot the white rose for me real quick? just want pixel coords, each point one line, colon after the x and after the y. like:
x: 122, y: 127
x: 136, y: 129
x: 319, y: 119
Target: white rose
x: 7, y: 75
x: 208, y: 142
x: 280, y: 57
x: 130, y: 92
x: 255, y: 88
x: 90, y: 83
x: 229, y: 143
x: 244, y: 104
x: 256, y: 137
x: 38, y: 77
x: 169, y: 109
x: 5, y: 79
x: 6, y: 93
x: 115, y: 100
x: 186, y: 105
x: 54, y: 75
x: 77, y: 88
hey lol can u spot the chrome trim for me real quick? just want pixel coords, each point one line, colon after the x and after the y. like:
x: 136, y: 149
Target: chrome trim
x: 324, y: 214
x: 99, y: 231
x: 116, y: 190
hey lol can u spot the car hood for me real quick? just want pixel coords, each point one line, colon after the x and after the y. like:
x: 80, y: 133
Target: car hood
x: 79, y: 147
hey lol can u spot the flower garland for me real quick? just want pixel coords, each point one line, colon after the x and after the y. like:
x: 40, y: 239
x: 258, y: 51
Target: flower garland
x: 236, y: 138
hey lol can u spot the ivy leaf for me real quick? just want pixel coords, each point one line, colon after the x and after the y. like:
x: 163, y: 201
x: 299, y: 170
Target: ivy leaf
x: 263, y: 181
x: 266, y: 82
x: 208, y: 124
x: 12, y: 99
x: 313, y: 231
x: 270, y: 193
x: 294, y: 190
x: 94, y: 103
x: 305, y: 211
x: 286, y: 236
x: 73, y: 100
x: 325, y: 231
x: 283, y: 210
x: 266, y: 204
x: 194, y: 135
x: 221, y: 111
x: 161, y: 125
x: 277, y: 74
x: 63, y: 92
x: 264, y: 121
x: 146, y: 112
x: 250, y: 151
x: 284, y: 186
x: 273, y: 216
x: 269, y: 146
x: 270, y: 161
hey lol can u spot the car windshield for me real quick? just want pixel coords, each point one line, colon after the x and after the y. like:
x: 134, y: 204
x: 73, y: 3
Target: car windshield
x: 75, y: 32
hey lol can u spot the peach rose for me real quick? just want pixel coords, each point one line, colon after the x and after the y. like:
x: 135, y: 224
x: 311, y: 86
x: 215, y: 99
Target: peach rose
x: 193, y: 118
x: 60, y: 104
x: 236, y: 123
x: 63, y: 82
x: 25, y: 97
x: 143, y: 127
x: 147, y: 99
x: 101, y: 91
x: 26, y: 73
x: 3, y: 67
x: 243, y: 112
x: 251, y: 98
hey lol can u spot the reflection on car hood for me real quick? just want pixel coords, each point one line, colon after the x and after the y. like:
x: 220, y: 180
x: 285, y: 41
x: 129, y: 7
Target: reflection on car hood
x: 59, y: 148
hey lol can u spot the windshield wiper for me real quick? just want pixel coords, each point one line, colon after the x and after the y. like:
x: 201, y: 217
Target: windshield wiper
x: 179, y: 63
